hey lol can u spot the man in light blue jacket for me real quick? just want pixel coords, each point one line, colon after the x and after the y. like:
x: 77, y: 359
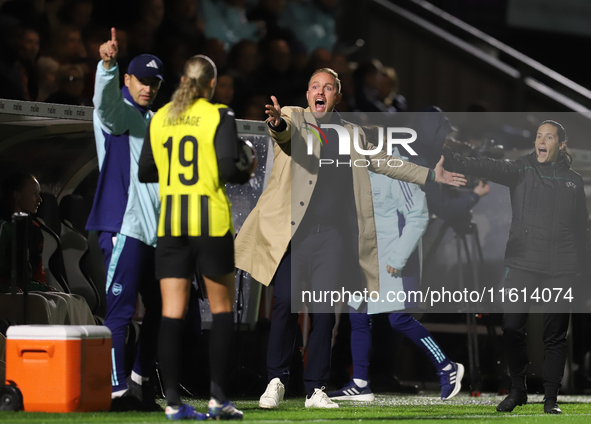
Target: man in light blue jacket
x: 401, y: 218
x: 125, y: 214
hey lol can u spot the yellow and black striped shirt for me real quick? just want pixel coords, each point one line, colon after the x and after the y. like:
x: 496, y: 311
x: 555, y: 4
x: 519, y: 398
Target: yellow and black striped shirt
x: 194, y: 155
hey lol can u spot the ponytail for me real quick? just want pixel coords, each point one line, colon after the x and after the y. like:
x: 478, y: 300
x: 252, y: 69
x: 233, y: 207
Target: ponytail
x: 198, y: 73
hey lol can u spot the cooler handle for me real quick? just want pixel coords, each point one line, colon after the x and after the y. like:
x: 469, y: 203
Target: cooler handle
x: 48, y: 350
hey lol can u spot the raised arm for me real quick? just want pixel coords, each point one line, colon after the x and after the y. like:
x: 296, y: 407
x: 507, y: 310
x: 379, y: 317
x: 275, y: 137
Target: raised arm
x: 108, y: 100
x: 504, y: 172
x: 407, y: 171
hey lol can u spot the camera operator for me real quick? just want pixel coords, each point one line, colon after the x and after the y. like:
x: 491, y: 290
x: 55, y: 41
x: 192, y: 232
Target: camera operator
x: 450, y: 204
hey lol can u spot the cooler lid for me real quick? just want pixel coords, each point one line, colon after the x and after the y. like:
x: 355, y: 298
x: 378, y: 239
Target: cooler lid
x: 57, y: 332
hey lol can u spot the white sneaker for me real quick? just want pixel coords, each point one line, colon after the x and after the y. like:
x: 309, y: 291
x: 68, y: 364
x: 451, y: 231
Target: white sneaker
x: 320, y: 400
x: 273, y: 395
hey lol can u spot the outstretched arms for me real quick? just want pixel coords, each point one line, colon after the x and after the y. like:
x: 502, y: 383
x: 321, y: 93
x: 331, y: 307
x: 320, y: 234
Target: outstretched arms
x: 505, y: 172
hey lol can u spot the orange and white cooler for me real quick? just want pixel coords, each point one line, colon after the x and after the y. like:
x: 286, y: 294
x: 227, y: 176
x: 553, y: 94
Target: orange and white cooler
x: 60, y: 368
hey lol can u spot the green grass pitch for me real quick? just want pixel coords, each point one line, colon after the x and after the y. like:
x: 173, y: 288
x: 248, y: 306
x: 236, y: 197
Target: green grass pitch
x: 386, y: 408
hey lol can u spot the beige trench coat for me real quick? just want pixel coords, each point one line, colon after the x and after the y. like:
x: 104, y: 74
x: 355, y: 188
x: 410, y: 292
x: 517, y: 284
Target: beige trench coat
x: 266, y: 233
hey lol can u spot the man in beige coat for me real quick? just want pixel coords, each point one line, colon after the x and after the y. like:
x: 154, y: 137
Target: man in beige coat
x: 298, y: 213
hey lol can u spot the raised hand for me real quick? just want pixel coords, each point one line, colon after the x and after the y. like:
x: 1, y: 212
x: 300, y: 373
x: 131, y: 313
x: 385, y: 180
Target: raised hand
x: 109, y: 50
x: 274, y: 112
x: 445, y: 177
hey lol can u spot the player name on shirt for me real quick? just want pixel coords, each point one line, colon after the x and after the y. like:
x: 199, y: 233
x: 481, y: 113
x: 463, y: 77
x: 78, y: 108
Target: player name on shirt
x: 182, y: 120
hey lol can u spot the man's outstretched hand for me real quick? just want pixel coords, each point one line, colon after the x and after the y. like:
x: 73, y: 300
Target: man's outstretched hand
x: 109, y: 50
x: 274, y: 112
x: 445, y: 177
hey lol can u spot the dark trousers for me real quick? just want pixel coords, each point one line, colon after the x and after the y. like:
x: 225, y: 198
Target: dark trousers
x: 130, y: 270
x: 555, y: 330
x: 313, y: 262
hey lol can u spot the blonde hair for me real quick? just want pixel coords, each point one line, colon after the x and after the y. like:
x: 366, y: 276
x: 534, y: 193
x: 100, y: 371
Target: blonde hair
x: 198, y: 73
x: 328, y: 71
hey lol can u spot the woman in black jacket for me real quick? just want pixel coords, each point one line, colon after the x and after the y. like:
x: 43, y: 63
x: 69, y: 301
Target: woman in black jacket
x: 548, y: 246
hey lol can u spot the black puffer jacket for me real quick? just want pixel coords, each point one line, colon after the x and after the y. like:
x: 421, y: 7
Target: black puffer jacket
x: 549, y: 226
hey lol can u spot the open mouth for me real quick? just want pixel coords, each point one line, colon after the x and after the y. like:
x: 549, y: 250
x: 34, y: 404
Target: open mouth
x: 319, y: 105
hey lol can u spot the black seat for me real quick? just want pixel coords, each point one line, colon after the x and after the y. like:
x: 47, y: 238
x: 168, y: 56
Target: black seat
x: 53, y: 261
x: 76, y: 250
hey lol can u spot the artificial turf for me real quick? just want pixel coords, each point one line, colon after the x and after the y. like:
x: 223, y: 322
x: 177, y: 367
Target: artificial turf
x: 418, y: 408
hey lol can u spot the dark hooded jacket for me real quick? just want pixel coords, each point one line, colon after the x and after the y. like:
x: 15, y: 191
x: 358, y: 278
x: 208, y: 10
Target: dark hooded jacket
x: 548, y: 231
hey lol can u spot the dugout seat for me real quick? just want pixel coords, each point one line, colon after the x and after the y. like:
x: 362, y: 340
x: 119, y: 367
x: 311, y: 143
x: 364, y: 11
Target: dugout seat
x: 53, y: 261
x: 76, y: 251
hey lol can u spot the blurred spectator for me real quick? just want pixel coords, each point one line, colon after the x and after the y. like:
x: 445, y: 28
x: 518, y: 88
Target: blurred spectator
x: 269, y: 12
x: 243, y: 62
x: 224, y: 90
x: 243, y: 59
x: 76, y: 13
x: 183, y: 19
x: 152, y: 13
x: 341, y: 66
x: 29, y: 13
x: 299, y: 59
x: 320, y: 58
x: 216, y: 51
x: 47, y: 68
x: 141, y: 39
x: 70, y: 83
x: 277, y: 55
x: 93, y: 36
x: 276, y: 65
x: 20, y: 47
x: 52, y: 11
x: 374, y: 86
x: 226, y: 20
x: 255, y: 108
x: 312, y: 22
x: 28, y: 50
x: 388, y: 91
x: 69, y: 31
x: 67, y: 45
x: 174, y: 52
x: 28, y: 45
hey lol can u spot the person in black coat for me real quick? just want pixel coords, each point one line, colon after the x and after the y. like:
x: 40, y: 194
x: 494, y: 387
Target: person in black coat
x: 548, y: 246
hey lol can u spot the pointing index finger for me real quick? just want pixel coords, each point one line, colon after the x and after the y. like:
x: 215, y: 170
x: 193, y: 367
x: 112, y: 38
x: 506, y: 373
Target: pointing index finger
x: 113, y: 35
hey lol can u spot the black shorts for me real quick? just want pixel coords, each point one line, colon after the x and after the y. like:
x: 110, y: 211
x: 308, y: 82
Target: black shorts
x: 180, y: 257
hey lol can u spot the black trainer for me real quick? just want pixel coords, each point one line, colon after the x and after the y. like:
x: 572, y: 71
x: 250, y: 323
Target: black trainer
x: 516, y: 397
x: 126, y: 403
x: 144, y: 392
x: 551, y: 407
x: 130, y: 402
